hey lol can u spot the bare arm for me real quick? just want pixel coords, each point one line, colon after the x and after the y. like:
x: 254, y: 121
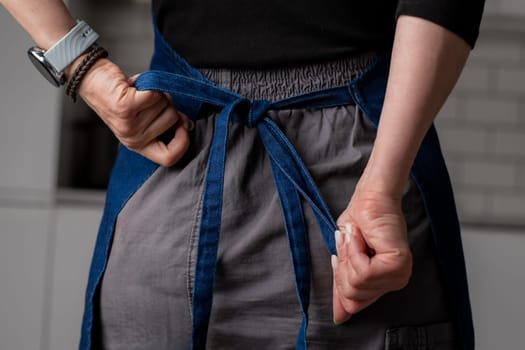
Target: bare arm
x: 426, y: 63
x: 46, y: 21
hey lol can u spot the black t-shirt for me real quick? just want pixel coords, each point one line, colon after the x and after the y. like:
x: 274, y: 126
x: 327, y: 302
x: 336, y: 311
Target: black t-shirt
x: 251, y: 33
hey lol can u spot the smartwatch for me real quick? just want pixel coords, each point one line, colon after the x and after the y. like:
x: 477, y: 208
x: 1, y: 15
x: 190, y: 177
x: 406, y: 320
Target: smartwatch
x: 51, y: 63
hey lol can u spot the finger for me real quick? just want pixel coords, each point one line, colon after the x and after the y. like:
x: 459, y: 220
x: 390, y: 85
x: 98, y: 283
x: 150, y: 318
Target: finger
x: 160, y: 120
x: 344, y: 218
x: 187, y: 122
x: 353, y: 306
x: 180, y: 142
x: 167, y: 155
x: 157, y: 119
x: 340, y: 315
x: 348, y: 228
x: 345, y: 273
x: 136, y: 100
x: 342, y: 243
x: 149, y: 113
x: 357, y: 250
x: 359, y: 294
x: 339, y: 246
x: 368, y: 273
x: 342, y: 261
x: 142, y: 100
x: 131, y: 80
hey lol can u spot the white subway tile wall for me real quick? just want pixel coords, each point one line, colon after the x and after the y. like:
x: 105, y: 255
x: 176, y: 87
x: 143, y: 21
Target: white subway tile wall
x: 482, y: 126
x: 505, y: 7
x: 512, y: 7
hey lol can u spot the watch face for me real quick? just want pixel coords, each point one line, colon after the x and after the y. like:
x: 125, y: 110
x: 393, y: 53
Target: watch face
x: 36, y: 56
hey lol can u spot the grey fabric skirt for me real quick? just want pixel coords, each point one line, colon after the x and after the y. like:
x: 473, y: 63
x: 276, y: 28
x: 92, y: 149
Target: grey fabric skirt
x: 145, y: 295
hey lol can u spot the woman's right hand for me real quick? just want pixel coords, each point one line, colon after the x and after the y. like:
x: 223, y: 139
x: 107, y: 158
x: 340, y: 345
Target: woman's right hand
x: 137, y: 118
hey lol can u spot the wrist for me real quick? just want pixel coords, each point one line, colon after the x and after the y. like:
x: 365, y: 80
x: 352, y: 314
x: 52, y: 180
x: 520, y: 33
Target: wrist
x: 52, y: 63
x: 384, y: 177
x: 95, y: 54
x: 100, y: 67
x: 70, y: 69
x: 393, y: 154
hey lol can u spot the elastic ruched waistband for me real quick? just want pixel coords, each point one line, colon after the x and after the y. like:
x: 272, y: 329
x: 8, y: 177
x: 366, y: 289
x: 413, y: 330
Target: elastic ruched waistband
x: 280, y: 83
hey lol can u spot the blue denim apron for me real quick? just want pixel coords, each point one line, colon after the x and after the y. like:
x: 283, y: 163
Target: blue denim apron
x: 190, y: 91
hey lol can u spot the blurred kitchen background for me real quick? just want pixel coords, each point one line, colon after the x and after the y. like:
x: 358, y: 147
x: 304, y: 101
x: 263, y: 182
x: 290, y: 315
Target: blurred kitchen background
x: 52, y: 188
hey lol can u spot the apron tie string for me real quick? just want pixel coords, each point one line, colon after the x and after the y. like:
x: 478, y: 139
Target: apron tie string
x: 291, y: 178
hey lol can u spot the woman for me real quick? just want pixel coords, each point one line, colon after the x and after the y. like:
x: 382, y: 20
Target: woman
x: 300, y: 80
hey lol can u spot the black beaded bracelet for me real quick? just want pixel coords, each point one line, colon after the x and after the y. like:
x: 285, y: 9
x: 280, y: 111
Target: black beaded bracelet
x: 94, y: 54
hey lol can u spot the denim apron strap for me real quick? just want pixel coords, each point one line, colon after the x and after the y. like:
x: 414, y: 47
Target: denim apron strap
x: 291, y: 178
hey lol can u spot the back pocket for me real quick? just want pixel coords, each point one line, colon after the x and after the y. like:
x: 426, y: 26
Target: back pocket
x: 437, y: 336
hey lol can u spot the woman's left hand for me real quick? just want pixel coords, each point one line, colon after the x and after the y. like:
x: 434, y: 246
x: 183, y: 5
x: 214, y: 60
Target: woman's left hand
x: 373, y: 255
x: 376, y: 259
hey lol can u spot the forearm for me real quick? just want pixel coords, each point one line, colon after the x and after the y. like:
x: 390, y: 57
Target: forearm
x: 46, y: 21
x: 425, y: 65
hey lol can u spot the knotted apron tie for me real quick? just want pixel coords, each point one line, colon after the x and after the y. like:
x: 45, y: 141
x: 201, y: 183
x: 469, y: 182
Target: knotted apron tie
x: 291, y: 177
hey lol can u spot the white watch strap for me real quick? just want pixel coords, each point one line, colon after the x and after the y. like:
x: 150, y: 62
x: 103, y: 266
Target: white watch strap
x: 72, y: 45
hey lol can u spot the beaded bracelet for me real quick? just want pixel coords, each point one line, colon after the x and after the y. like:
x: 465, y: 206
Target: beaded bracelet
x: 95, y: 53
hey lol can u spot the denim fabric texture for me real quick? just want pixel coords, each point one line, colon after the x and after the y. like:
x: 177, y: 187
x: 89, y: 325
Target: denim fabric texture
x: 190, y: 91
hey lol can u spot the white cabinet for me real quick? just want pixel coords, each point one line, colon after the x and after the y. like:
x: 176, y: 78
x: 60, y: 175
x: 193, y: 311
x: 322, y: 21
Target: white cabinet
x: 76, y: 229
x: 24, y: 277
x: 497, y: 286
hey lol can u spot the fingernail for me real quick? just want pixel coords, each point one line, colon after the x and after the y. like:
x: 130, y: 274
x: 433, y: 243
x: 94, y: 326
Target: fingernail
x: 334, y: 261
x: 189, y: 124
x: 338, y: 237
x: 341, y: 322
x: 348, y: 231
